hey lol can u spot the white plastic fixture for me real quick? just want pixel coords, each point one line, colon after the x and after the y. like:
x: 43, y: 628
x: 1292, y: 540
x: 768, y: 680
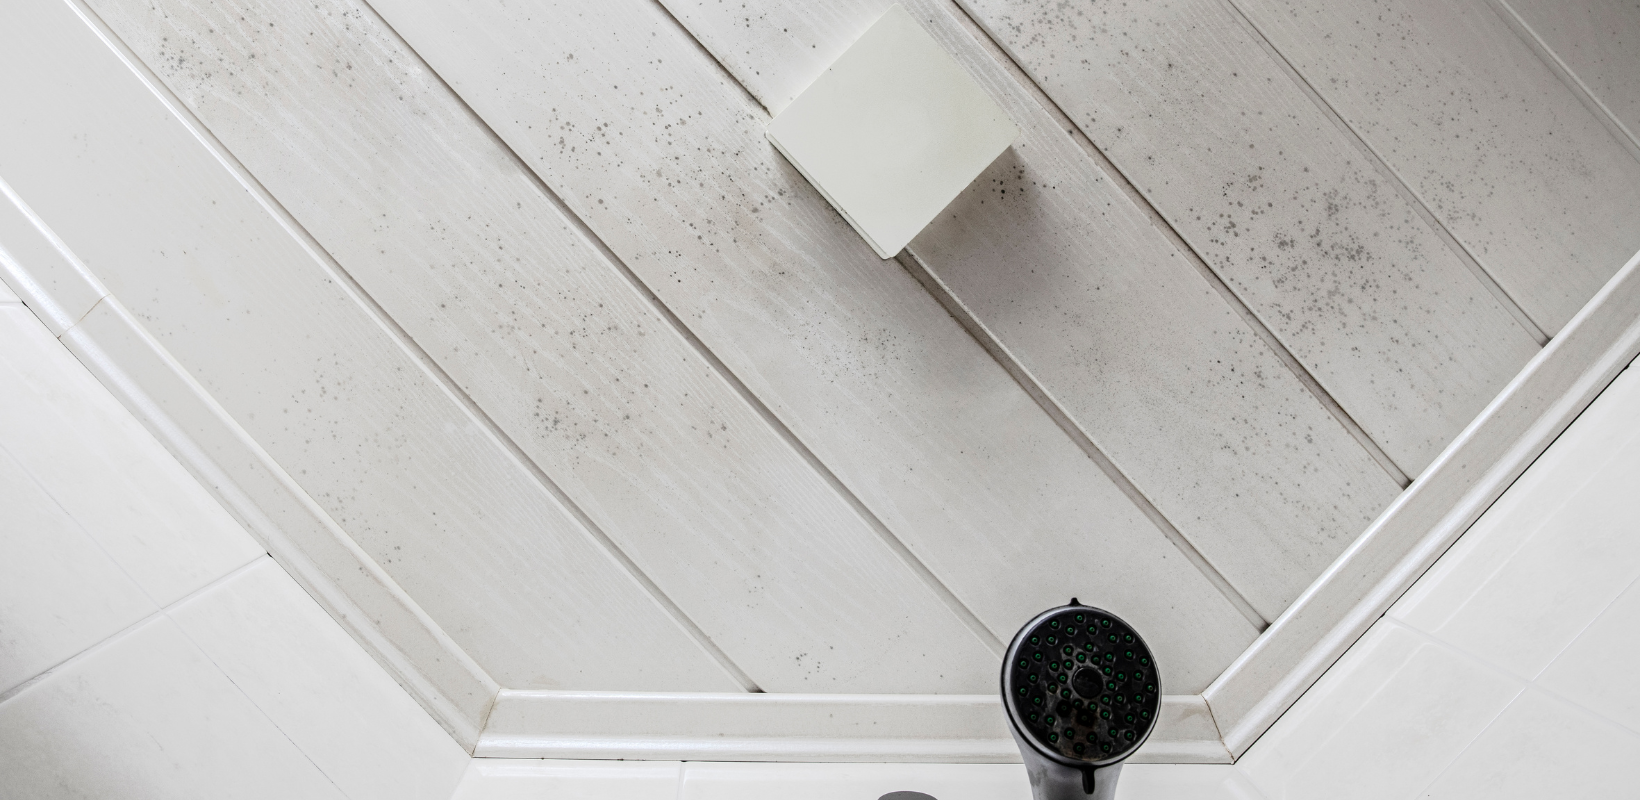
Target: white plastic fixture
x: 892, y: 132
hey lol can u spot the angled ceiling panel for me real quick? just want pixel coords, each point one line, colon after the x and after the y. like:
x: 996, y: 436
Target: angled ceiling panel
x: 1300, y: 222
x: 259, y: 321
x: 521, y: 297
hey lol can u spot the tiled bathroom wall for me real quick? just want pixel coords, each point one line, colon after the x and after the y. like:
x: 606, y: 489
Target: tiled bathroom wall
x: 149, y: 648
x: 1509, y: 669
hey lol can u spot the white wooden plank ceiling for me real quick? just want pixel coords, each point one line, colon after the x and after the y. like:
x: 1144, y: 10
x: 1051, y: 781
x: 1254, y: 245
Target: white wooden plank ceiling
x: 521, y: 298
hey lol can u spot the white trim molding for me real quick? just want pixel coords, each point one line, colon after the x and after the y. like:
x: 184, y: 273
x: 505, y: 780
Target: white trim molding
x: 243, y: 477
x: 1405, y: 540
x: 797, y: 727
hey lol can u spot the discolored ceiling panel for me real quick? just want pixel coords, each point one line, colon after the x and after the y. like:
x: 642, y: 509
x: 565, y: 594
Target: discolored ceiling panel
x: 525, y: 302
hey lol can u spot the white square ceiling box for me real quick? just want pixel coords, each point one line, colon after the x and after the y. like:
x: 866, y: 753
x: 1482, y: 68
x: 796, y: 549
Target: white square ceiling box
x: 892, y: 132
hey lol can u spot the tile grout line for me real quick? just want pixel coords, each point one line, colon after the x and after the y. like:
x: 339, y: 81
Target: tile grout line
x: 1562, y: 71
x: 159, y: 611
x: 1525, y: 685
x: 1567, y: 700
x: 1067, y: 425
x: 408, y: 345
x: 405, y: 673
x: 1388, y: 618
x: 1118, y: 178
x: 255, y: 562
x: 166, y: 612
x: 940, y: 591
x: 1401, y: 186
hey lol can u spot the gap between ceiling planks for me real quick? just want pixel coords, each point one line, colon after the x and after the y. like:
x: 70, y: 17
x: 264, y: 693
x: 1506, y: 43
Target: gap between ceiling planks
x: 1402, y: 187
x: 667, y: 28
x: 977, y: 329
x: 1540, y: 47
x: 986, y: 339
x: 1249, y: 170
x: 1032, y: 387
x: 957, y: 608
x: 408, y: 344
x: 1120, y: 179
x: 1021, y: 95
x: 1021, y: 375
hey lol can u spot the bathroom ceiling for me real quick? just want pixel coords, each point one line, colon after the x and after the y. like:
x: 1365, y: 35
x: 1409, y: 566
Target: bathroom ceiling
x: 520, y: 296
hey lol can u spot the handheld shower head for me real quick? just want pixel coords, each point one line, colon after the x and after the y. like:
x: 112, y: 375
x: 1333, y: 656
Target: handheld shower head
x: 1082, y: 693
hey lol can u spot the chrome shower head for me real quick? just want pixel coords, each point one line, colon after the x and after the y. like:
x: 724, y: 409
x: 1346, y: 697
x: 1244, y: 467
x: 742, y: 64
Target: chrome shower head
x: 1082, y: 693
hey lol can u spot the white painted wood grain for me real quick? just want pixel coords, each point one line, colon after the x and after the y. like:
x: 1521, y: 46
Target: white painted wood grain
x: 1599, y: 42
x: 1558, y: 384
x: 1075, y: 283
x: 862, y: 365
x: 1502, y: 152
x: 1296, y: 219
x: 392, y: 175
x: 798, y: 727
x: 267, y: 330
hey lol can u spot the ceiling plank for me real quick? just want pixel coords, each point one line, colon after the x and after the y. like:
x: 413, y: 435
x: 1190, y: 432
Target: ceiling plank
x: 664, y: 157
x: 263, y: 324
x: 1501, y: 151
x: 457, y: 241
x: 1075, y: 283
x: 1297, y: 219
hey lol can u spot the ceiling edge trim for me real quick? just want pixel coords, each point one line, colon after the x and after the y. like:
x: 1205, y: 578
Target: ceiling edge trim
x: 699, y: 726
x: 1406, y: 539
x: 300, y: 535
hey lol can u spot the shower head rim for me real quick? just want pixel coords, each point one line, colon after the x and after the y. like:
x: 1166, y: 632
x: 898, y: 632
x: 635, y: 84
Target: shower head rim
x: 1011, y: 708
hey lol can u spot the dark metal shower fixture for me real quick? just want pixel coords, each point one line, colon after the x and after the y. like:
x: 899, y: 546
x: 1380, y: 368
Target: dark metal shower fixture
x: 1082, y: 693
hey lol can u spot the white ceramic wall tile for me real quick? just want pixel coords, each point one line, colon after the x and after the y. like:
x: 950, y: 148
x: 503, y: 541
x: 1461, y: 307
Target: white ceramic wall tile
x: 109, y: 473
x: 59, y: 593
x: 147, y: 716
x: 1542, y: 747
x: 723, y: 781
x: 1381, y: 723
x: 538, y: 779
x: 1569, y: 463
x: 1598, y: 670
x: 1186, y: 782
x: 321, y: 690
x: 1551, y: 556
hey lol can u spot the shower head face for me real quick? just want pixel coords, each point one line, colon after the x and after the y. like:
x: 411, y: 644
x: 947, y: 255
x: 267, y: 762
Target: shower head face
x: 1081, y: 685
